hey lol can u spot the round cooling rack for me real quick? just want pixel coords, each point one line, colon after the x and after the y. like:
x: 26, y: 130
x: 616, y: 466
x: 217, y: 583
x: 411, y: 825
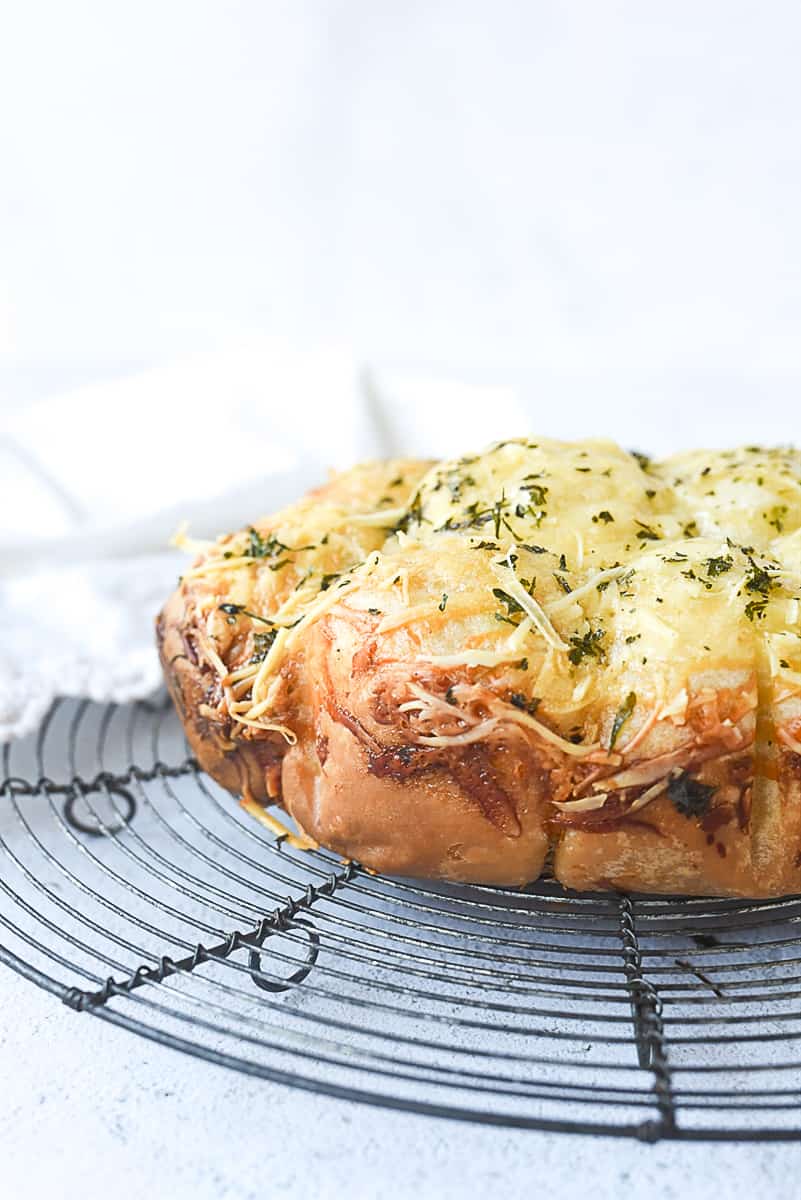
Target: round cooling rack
x: 138, y: 892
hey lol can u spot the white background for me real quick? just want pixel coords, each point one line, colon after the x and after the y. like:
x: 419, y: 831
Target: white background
x: 595, y: 200
x: 594, y: 203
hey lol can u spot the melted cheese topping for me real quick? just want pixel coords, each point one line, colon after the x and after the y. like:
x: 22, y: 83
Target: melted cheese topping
x: 588, y: 581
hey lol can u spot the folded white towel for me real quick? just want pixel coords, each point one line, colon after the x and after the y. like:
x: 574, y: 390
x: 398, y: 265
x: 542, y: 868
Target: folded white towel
x: 95, y: 482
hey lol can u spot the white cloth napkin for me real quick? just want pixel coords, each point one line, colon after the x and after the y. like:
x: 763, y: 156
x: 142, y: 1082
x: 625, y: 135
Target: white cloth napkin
x: 94, y: 483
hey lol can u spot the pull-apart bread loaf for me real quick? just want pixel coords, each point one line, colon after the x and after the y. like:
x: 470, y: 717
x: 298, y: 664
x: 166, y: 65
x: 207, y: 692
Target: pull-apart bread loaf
x: 459, y: 669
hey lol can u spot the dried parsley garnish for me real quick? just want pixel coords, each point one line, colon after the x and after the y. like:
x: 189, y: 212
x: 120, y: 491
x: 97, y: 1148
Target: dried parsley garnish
x: 536, y: 491
x: 263, y: 547
x: 267, y: 547
x: 759, y: 579
x: 646, y: 533
x: 261, y: 645
x: 690, y: 797
x: 521, y: 701
x: 233, y: 610
x: 587, y: 646
x: 512, y: 607
x: 760, y: 582
x: 776, y: 517
x: 412, y: 516
x: 755, y: 609
x: 719, y: 566
x: 621, y: 716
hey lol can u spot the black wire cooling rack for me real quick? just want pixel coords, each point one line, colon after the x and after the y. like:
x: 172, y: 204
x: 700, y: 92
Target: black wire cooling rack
x: 136, y: 891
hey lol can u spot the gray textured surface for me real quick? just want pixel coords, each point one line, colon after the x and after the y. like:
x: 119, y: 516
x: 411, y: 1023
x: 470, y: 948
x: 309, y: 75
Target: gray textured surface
x: 88, y: 1111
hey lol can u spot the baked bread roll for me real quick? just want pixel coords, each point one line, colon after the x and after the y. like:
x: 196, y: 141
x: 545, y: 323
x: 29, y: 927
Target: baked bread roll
x: 549, y: 651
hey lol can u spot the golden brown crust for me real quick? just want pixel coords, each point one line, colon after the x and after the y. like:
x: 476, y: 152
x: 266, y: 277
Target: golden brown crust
x: 358, y: 786
x: 384, y: 753
x: 466, y: 815
x: 240, y: 766
x: 724, y: 853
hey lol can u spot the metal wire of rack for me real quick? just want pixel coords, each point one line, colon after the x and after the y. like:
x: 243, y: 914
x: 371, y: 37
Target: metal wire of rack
x: 136, y: 891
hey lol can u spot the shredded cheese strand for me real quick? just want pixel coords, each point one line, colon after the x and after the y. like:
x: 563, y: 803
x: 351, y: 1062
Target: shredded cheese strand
x: 504, y: 572
x: 589, y: 804
x: 460, y: 739
x: 381, y: 516
x: 268, y: 663
x: 287, y: 638
x: 521, y: 718
x: 296, y: 841
x: 269, y: 727
x: 649, y: 795
x: 565, y: 602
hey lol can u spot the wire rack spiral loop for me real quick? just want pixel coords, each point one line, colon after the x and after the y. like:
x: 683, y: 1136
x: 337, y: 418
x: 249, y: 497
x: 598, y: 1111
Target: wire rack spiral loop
x: 97, y: 828
x: 137, y: 892
x: 262, y: 981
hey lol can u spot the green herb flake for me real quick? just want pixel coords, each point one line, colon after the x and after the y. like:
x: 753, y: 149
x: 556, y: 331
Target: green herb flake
x: 755, y: 609
x: 512, y: 606
x: 412, y: 516
x: 261, y: 546
x: 261, y: 645
x: 690, y: 797
x: 233, y: 610
x: 719, y: 566
x: 521, y: 701
x: 621, y: 717
x: 760, y: 581
x: 587, y: 646
x: 647, y: 533
x: 776, y: 517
